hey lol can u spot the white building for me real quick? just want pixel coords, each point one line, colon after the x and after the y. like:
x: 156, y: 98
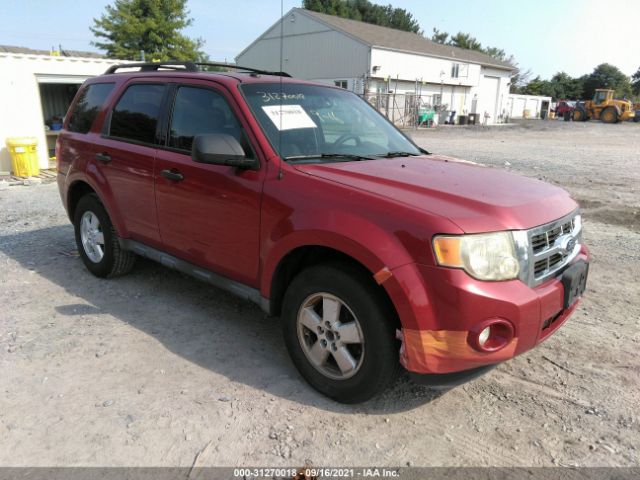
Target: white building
x: 528, y: 106
x: 371, y: 59
x: 35, y: 88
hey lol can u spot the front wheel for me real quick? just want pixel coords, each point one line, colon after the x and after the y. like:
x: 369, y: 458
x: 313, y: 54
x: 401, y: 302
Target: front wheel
x: 609, y: 115
x: 340, y: 333
x: 97, y: 240
x: 579, y: 114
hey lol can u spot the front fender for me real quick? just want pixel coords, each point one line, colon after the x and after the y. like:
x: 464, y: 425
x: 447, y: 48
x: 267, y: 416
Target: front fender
x: 350, y: 234
x: 355, y: 236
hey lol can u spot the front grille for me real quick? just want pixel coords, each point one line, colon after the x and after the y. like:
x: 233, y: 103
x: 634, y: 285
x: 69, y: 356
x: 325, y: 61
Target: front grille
x: 546, y: 239
x: 547, y: 248
x: 546, y: 264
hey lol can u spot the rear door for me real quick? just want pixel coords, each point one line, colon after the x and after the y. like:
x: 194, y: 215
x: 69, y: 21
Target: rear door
x: 125, y: 156
x: 210, y: 216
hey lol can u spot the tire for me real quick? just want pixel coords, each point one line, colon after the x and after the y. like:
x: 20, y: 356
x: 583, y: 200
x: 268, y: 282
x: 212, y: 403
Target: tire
x: 97, y: 240
x: 567, y: 116
x: 609, y: 115
x: 579, y: 115
x: 364, y: 316
x: 636, y: 117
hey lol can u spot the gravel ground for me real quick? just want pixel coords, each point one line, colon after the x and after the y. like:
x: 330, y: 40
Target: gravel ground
x: 156, y: 369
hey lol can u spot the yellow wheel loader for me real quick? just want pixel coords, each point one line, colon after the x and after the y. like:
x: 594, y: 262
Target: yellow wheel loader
x: 603, y: 107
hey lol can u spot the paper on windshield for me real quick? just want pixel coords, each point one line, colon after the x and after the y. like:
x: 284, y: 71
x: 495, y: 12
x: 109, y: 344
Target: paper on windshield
x: 288, y: 117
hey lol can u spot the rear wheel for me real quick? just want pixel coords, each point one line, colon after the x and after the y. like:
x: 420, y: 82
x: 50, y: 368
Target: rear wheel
x: 579, y: 115
x: 97, y: 240
x: 339, y: 333
x: 609, y: 115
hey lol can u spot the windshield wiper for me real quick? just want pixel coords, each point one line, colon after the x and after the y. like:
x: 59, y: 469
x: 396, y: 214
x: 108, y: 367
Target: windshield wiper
x: 397, y: 154
x: 350, y: 156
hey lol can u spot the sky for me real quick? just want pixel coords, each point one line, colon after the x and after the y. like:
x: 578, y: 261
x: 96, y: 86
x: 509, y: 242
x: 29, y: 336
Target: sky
x: 545, y: 36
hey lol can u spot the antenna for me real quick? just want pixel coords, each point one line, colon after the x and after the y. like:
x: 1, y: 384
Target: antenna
x: 281, y: 90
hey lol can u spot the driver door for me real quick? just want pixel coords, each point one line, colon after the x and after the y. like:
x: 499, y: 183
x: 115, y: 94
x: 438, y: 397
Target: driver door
x: 208, y: 215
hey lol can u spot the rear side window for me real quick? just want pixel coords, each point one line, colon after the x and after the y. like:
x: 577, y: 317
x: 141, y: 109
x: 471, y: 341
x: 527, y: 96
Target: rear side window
x: 135, y: 116
x: 88, y: 105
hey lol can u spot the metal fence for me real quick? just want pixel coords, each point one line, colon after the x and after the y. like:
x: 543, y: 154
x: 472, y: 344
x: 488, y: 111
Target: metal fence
x: 406, y: 110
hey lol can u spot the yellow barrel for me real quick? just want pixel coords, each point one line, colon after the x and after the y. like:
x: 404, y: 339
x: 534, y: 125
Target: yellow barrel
x: 526, y: 113
x: 24, y: 156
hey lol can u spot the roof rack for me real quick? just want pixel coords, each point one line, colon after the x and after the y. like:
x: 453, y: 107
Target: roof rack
x: 188, y: 67
x: 155, y: 66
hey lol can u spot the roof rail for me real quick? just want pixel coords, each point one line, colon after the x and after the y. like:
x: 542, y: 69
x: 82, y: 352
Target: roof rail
x: 187, y: 66
x: 246, y: 69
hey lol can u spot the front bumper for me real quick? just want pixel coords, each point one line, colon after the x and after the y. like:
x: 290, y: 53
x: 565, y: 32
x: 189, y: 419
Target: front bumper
x: 449, y: 380
x: 445, y: 304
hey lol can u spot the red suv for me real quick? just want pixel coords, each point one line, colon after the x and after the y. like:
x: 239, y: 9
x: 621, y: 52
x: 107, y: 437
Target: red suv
x: 305, y: 200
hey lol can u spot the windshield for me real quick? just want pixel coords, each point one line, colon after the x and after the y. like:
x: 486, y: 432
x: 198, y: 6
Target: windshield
x: 315, y: 123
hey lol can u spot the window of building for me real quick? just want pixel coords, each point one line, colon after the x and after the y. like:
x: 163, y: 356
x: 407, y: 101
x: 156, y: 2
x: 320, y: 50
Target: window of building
x: 198, y: 111
x: 88, y: 106
x: 342, y: 84
x: 455, y: 70
x: 437, y: 99
x: 135, y: 116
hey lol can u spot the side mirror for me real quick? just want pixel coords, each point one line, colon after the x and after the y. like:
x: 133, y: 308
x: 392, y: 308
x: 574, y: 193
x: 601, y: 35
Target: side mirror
x: 220, y: 149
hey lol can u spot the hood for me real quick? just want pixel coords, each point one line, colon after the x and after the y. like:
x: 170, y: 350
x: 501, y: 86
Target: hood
x: 474, y: 197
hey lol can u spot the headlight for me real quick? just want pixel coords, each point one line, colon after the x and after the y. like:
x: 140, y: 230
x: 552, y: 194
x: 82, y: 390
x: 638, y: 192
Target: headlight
x: 487, y: 256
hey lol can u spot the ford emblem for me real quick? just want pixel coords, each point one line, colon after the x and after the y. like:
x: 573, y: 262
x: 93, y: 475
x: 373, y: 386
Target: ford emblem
x: 569, y: 245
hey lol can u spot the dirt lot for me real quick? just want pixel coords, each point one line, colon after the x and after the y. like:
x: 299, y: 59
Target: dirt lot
x: 155, y: 368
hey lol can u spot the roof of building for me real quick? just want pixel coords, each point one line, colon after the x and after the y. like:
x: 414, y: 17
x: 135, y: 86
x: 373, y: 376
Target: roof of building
x: 375, y: 35
x: 62, y: 53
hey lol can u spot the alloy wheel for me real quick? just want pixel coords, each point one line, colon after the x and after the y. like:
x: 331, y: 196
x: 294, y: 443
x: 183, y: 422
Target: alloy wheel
x: 330, y: 336
x: 92, y: 236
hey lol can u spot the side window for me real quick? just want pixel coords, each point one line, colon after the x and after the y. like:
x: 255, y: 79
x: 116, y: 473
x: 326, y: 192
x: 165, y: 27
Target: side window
x: 135, y: 116
x: 198, y: 111
x: 88, y: 105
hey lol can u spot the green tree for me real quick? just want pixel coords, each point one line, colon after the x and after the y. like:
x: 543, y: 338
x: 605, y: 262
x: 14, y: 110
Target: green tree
x: 439, y: 37
x: 337, y: 8
x: 635, y: 83
x: 465, y: 40
x: 153, y: 26
x: 537, y: 86
x: 400, y: 19
x: 564, y: 86
x: 519, y: 79
x: 606, y: 75
x: 496, y: 53
x: 365, y: 11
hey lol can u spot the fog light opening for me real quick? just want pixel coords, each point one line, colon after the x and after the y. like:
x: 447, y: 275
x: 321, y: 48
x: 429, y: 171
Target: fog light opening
x: 491, y: 335
x: 484, y: 336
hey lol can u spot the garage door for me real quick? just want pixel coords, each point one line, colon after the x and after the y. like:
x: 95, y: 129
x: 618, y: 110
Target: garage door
x: 488, y: 97
x: 519, y: 105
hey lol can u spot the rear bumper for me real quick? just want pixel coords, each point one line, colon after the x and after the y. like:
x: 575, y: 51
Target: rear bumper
x: 442, y: 305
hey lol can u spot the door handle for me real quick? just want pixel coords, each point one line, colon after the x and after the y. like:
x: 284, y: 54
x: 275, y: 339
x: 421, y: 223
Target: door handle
x: 103, y: 157
x: 174, y: 175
